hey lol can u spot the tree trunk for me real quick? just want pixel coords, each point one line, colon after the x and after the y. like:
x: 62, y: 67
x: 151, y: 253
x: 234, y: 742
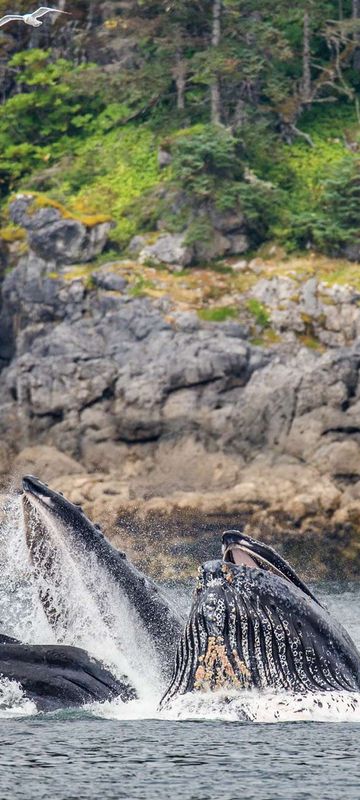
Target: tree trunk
x: 179, y: 74
x: 215, y: 85
x: 356, y: 35
x: 306, y: 80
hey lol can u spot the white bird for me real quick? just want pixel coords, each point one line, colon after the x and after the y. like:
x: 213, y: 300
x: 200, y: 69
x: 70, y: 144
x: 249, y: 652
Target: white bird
x: 31, y: 19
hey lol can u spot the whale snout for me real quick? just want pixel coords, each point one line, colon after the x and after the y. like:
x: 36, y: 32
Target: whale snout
x: 34, y: 488
x: 33, y: 485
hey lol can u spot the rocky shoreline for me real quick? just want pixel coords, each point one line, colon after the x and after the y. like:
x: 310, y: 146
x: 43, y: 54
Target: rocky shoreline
x: 158, y: 419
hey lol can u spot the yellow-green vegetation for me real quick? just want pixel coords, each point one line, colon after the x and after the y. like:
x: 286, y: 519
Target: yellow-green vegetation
x: 268, y: 338
x: 322, y: 204
x: 105, y: 178
x: 142, y: 286
x: 311, y: 342
x: 218, y: 314
x: 12, y: 233
x: 77, y: 271
x: 41, y: 200
x: 259, y: 312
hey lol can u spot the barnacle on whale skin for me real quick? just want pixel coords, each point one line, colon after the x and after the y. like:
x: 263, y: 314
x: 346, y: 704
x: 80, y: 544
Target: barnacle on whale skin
x: 215, y: 670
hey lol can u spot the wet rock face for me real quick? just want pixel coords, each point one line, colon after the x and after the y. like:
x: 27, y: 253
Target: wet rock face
x: 116, y: 397
x: 55, y: 238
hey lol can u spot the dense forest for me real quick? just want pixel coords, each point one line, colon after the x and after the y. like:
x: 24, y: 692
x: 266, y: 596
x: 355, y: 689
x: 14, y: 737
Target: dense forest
x: 163, y: 114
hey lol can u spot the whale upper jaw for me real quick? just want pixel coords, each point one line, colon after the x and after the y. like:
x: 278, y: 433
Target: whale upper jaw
x: 36, y: 490
x: 242, y: 550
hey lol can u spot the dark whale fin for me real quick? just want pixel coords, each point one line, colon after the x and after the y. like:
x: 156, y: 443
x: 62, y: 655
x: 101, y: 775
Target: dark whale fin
x: 58, y: 676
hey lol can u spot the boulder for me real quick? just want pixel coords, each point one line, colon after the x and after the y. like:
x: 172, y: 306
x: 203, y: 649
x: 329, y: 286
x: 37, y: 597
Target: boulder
x: 228, y: 221
x: 339, y: 458
x: 352, y: 251
x: 109, y: 281
x: 239, y: 243
x: 169, y: 248
x: 164, y: 158
x: 216, y: 246
x: 136, y: 245
x: 58, y: 238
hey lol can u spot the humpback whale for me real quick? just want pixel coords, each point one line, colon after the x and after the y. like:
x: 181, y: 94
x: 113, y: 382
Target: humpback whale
x: 56, y: 676
x: 255, y: 625
x: 51, y: 519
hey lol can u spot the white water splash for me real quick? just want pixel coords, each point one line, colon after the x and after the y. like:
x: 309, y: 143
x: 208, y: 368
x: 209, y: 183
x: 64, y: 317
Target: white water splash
x: 21, y: 612
x: 268, y: 706
x: 93, y: 613
x: 246, y: 706
x: 13, y: 702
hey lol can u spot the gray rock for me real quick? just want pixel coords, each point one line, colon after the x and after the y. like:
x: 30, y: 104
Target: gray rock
x: 164, y: 158
x: 215, y: 247
x: 309, y: 297
x: 55, y: 238
x: 111, y: 380
x: 239, y: 243
x: 228, y: 221
x: 329, y: 314
x: 109, y: 281
x: 352, y: 251
x: 169, y: 248
x: 136, y: 244
x: 186, y: 321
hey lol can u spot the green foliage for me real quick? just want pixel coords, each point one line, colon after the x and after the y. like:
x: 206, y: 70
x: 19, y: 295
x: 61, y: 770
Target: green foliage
x: 110, y: 173
x: 203, y: 156
x: 199, y: 230
x: 208, y: 163
x: 341, y: 206
x: 88, y: 135
x: 259, y: 312
x: 140, y: 287
x: 218, y: 314
x: 45, y: 111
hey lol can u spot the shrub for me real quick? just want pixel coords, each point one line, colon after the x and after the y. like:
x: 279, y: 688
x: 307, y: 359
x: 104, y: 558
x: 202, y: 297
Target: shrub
x: 203, y: 156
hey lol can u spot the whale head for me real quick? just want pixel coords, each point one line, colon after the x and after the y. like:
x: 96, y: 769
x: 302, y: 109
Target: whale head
x: 253, y: 627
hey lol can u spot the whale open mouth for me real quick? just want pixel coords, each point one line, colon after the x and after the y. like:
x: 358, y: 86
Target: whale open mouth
x: 243, y: 551
x: 242, y: 556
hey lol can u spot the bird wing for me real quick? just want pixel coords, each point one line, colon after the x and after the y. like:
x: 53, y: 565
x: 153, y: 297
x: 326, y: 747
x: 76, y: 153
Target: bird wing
x: 40, y: 12
x: 9, y: 17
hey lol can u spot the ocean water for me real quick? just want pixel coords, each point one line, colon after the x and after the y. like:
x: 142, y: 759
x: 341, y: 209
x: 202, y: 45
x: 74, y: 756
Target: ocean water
x: 268, y: 747
x: 84, y: 757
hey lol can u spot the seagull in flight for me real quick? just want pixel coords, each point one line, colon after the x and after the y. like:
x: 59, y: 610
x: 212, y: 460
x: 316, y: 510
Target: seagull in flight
x: 31, y: 19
